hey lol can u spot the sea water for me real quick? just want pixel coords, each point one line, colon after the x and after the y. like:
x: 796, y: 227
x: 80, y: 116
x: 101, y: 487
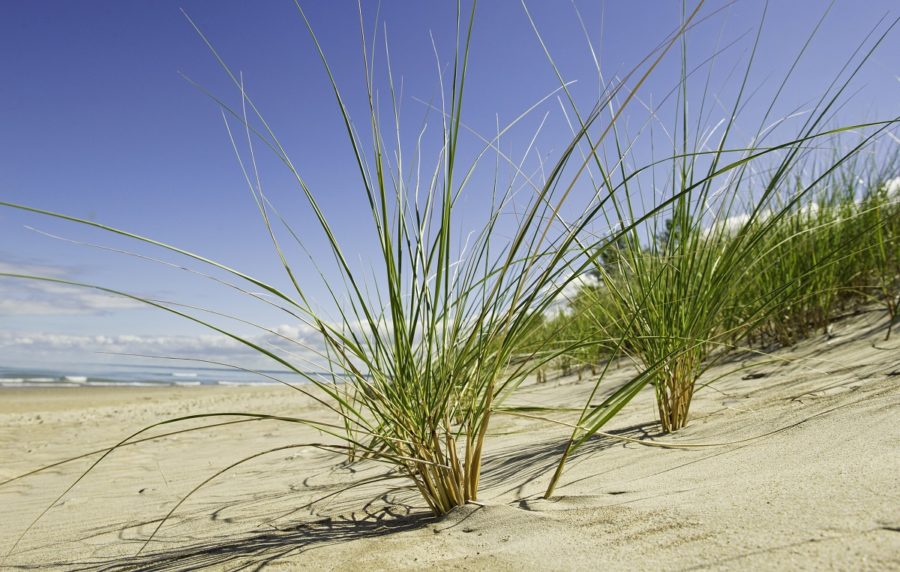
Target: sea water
x: 100, y: 375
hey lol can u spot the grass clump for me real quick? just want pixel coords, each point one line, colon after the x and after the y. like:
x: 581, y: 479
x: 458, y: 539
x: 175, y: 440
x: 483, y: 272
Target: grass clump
x: 836, y: 250
x: 423, y: 344
x: 882, y: 205
x: 670, y: 297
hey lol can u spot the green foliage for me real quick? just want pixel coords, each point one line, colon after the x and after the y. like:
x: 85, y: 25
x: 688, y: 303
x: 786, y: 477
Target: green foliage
x: 424, y: 344
x: 679, y: 297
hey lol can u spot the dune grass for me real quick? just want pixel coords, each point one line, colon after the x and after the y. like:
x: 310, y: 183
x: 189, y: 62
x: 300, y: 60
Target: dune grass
x: 836, y: 249
x: 668, y: 297
x: 881, y: 281
x: 424, y: 347
x: 424, y: 342
x: 798, y: 268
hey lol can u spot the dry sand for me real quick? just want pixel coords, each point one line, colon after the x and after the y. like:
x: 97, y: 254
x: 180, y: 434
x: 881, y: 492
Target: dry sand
x: 806, y: 476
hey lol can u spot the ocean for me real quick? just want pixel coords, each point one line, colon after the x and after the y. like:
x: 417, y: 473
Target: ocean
x: 106, y: 375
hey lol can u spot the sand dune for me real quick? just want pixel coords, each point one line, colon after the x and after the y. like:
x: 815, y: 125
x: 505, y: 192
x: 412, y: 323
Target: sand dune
x: 798, y: 470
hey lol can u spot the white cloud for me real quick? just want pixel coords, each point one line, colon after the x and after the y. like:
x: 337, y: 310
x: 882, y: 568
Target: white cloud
x: 23, y: 297
x: 124, y: 343
x: 302, y: 348
x: 892, y: 187
x: 299, y: 332
x: 33, y: 269
x: 729, y: 226
x: 562, y: 303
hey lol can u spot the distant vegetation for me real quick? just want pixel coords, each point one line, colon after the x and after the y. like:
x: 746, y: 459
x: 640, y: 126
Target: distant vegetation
x: 834, y: 254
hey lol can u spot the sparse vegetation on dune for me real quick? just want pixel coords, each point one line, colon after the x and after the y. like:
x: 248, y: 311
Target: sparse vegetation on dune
x: 722, y: 243
x: 674, y: 296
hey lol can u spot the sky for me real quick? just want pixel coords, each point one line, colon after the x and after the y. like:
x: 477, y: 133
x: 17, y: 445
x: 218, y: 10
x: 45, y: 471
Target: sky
x: 98, y: 121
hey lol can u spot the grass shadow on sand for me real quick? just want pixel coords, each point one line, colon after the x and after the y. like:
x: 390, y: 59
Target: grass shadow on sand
x: 258, y: 549
x: 261, y: 547
x: 523, y: 465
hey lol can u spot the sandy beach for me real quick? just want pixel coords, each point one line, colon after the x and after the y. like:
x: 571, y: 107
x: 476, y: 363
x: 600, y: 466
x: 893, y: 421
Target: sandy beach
x: 788, y: 463
x: 448, y: 236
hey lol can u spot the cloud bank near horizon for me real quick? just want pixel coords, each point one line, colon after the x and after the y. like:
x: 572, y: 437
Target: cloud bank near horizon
x: 299, y: 345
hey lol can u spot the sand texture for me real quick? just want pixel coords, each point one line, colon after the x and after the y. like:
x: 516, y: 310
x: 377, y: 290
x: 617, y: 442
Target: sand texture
x: 801, y: 472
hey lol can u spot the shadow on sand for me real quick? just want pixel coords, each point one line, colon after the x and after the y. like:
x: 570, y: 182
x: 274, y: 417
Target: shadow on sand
x: 256, y: 550
x: 517, y: 467
x: 385, y: 515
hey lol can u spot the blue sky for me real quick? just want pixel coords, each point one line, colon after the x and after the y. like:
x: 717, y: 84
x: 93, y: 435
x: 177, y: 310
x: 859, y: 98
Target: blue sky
x: 97, y: 122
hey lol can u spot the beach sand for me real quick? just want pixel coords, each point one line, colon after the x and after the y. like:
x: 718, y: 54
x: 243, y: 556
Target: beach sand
x: 800, y: 472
